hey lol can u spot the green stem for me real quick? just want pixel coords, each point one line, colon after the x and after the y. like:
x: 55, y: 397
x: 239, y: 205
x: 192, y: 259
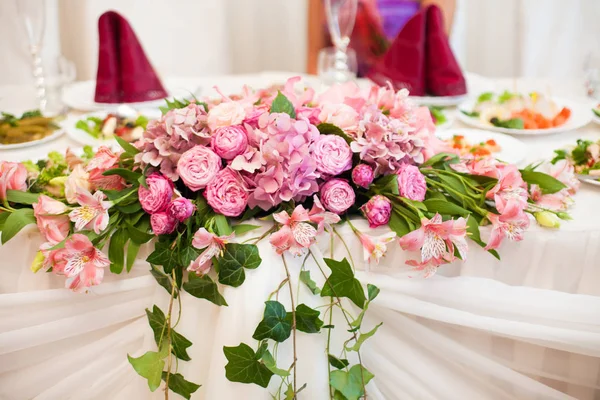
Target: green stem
x: 287, y: 272
x: 347, y: 249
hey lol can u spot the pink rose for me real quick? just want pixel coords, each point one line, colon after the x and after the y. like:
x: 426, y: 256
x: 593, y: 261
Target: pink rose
x: 198, y: 166
x: 362, y: 175
x: 226, y: 114
x: 227, y: 194
x: 157, y: 196
x: 51, y: 219
x: 13, y: 176
x: 411, y: 182
x: 229, y: 141
x: 181, y: 209
x: 340, y: 115
x: 337, y: 196
x: 332, y: 155
x: 162, y: 223
x: 377, y: 211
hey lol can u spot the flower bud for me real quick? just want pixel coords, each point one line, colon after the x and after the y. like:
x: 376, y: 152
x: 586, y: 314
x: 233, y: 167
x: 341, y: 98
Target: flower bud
x: 563, y: 215
x: 547, y: 219
x: 38, y: 262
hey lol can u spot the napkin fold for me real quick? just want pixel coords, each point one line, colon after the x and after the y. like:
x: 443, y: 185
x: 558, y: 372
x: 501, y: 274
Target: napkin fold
x: 420, y: 59
x: 125, y: 74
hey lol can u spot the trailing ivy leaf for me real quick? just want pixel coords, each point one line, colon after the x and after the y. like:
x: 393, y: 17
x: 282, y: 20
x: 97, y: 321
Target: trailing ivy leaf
x: 16, y: 221
x: 282, y: 104
x: 350, y: 383
x: 270, y: 363
x: 116, y: 250
x: 243, y: 367
x: 165, y: 256
x: 547, y: 183
x: 274, y: 324
x: 244, y: 228
x: 16, y: 196
x: 372, y: 291
x: 398, y: 224
x: 203, y: 287
x: 188, y: 254
x: 342, y: 283
x: 331, y: 129
x: 388, y: 184
x: 361, y: 339
x: 337, y: 362
x: 307, y: 319
x: 128, y: 147
x: 132, y: 252
x: 162, y: 279
x: 445, y: 207
x: 312, y: 286
x: 289, y: 392
x: 179, y: 385
x: 150, y: 365
x: 236, y: 257
x: 128, y: 175
x: 179, y: 343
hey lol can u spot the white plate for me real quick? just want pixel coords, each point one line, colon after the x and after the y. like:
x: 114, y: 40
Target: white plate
x: 84, y: 138
x: 512, y: 151
x: 450, y: 117
x: 440, y: 101
x: 580, y: 116
x: 80, y: 96
x: 48, y: 138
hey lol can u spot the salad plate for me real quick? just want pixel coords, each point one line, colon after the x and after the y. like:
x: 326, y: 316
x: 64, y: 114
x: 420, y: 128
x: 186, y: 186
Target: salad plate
x: 442, y: 117
x: 517, y: 114
x: 439, y: 101
x: 30, y: 129
x: 483, y: 143
x: 584, y: 156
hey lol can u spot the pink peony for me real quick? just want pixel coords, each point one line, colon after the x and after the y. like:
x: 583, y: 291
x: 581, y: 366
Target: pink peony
x: 157, y: 196
x: 362, y: 175
x: 162, y: 223
x: 411, y: 183
x: 198, y: 166
x: 337, y: 196
x: 13, y: 176
x: 51, y: 218
x: 227, y: 194
x: 229, y: 141
x: 226, y: 114
x: 332, y: 155
x: 377, y: 210
x: 181, y: 209
x: 341, y: 115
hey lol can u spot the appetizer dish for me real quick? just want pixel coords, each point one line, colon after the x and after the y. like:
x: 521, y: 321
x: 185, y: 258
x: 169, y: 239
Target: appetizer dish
x: 438, y: 115
x: 478, y: 149
x: 129, y: 129
x: 596, y: 114
x: 32, y: 126
x: 585, y: 158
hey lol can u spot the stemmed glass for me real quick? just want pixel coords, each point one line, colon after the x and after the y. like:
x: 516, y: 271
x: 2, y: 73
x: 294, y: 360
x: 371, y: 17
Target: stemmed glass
x: 33, y: 16
x: 341, y: 15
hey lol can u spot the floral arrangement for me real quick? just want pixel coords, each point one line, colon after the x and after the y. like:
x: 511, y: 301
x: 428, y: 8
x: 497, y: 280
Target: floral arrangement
x: 303, y: 162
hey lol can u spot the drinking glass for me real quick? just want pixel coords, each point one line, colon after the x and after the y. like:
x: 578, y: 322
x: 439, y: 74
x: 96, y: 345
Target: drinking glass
x: 327, y: 66
x: 32, y: 14
x: 341, y: 15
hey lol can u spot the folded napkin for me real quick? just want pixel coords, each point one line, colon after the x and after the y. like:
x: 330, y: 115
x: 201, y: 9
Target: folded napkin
x: 420, y: 59
x: 124, y: 73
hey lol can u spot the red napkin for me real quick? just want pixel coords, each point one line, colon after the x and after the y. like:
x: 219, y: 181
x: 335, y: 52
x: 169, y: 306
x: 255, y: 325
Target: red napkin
x: 420, y: 59
x: 124, y: 73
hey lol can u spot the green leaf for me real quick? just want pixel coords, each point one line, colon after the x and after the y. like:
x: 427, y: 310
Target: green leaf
x: 350, y: 383
x: 513, y: 123
x: 437, y: 113
x: 179, y: 385
x: 16, y: 196
x: 281, y: 104
x: 128, y: 175
x: 187, y: 255
x: 223, y: 227
x: 398, y: 224
x: 331, y: 129
x: 361, y: 339
x: 505, y: 96
x: 165, y: 256
x: 132, y: 252
x: 236, y: 257
x: 16, y: 221
x: 130, y: 208
x: 203, y: 287
x: 244, y: 228
x: 243, y: 367
x: 487, y: 96
x: 274, y: 324
x: 337, y: 362
x: 445, y: 207
x: 150, y: 366
x: 116, y: 250
x: 547, y: 183
x: 163, y: 280
x: 388, y: 184
x: 312, y: 286
x: 472, y: 114
x: 138, y: 236
x: 307, y: 319
x: 270, y: 363
x: 3, y: 217
x: 596, y: 111
x: 179, y: 343
x: 475, y: 235
x: 289, y: 392
x: 342, y: 283
x: 372, y: 291
x: 128, y: 147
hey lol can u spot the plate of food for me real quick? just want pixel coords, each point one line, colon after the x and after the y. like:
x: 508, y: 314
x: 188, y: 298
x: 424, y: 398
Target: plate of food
x: 439, y: 101
x: 585, y: 158
x: 480, y: 143
x: 518, y: 114
x: 29, y: 129
x: 442, y: 118
x: 596, y: 114
x: 100, y: 128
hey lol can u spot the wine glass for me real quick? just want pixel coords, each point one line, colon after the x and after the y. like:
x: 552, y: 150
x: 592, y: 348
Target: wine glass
x: 33, y: 17
x: 341, y: 15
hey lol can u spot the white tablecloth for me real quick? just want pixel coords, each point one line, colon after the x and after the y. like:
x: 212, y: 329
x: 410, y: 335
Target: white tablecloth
x: 527, y: 327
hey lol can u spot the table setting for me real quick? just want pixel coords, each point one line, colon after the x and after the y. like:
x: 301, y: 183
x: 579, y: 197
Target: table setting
x: 417, y: 233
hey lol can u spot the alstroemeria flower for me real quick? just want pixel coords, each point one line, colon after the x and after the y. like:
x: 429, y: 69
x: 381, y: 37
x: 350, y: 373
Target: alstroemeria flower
x: 319, y: 216
x: 93, y: 213
x: 511, y: 188
x: 296, y: 234
x: 511, y: 224
x: 375, y: 246
x: 213, y: 246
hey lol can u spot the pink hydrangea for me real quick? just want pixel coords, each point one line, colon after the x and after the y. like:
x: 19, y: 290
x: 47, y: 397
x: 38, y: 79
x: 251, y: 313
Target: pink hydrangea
x: 227, y: 193
x: 332, y: 155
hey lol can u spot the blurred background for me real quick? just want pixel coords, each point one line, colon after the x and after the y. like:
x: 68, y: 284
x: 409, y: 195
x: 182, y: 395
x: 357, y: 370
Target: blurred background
x: 495, y: 38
